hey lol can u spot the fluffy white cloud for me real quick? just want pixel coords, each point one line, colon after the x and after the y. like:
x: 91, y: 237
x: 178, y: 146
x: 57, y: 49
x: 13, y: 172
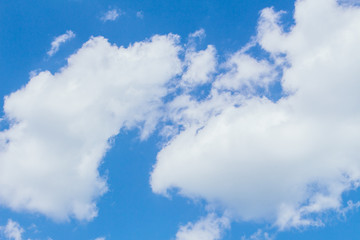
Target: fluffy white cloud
x: 288, y: 161
x: 283, y: 161
x: 61, y: 123
x: 200, y: 66
x: 111, y: 15
x: 208, y: 228
x: 12, y: 230
x: 245, y: 73
x: 55, y: 45
x: 185, y: 111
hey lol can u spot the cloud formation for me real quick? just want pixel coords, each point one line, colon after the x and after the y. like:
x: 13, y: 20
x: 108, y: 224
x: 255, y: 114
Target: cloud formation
x: 12, y: 230
x: 200, y: 66
x: 61, y: 124
x: 208, y: 228
x: 258, y: 235
x: 111, y: 15
x: 55, y: 45
x: 285, y: 162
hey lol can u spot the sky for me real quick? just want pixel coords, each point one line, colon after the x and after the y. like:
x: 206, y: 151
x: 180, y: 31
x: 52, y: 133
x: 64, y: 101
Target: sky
x: 179, y: 120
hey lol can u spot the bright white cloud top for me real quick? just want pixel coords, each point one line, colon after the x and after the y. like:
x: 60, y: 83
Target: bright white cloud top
x: 61, y: 123
x: 287, y: 161
x: 251, y: 158
x: 55, y: 45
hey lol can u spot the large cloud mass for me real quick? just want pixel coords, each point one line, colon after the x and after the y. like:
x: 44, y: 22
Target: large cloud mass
x: 281, y: 161
x: 284, y: 161
x: 61, y: 123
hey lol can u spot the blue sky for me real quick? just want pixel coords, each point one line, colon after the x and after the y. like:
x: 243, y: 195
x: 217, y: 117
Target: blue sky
x: 179, y: 120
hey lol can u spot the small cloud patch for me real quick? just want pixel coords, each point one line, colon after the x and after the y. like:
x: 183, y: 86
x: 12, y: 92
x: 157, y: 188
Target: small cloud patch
x: 55, y: 45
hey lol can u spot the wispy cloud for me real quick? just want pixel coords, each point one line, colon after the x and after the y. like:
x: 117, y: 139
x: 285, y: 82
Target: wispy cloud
x: 258, y: 235
x: 112, y: 15
x: 209, y: 228
x: 12, y: 230
x: 55, y: 45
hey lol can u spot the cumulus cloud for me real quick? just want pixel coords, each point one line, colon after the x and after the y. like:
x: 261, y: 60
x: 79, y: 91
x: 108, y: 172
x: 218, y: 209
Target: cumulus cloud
x: 208, y: 228
x: 285, y: 162
x: 55, y: 45
x: 200, y: 66
x: 244, y: 72
x: 12, y: 230
x: 185, y: 111
x: 61, y: 124
x: 111, y: 15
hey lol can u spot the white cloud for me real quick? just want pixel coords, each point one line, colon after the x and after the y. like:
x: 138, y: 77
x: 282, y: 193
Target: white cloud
x: 100, y: 238
x: 55, y: 45
x: 111, y: 15
x: 200, y: 34
x: 258, y: 235
x: 12, y: 230
x: 200, y: 66
x: 285, y: 162
x: 244, y: 71
x: 62, y: 123
x: 185, y: 111
x: 208, y: 228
